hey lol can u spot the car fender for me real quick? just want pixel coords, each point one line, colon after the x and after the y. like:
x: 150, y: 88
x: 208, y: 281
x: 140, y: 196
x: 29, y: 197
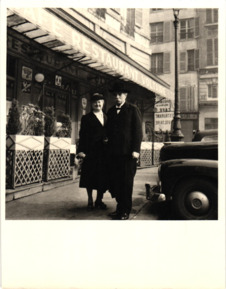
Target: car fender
x: 172, y: 172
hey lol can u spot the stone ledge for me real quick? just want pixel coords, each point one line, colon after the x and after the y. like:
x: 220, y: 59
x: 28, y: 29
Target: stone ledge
x: 25, y: 191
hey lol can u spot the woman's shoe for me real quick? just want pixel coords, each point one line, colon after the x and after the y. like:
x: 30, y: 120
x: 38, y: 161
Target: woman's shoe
x: 90, y: 207
x: 100, y: 205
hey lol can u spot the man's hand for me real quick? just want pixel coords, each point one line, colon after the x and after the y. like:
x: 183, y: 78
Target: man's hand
x: 135, y: 155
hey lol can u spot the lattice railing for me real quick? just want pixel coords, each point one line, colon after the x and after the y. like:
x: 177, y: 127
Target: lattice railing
x: 56, y: 164
x: 146, y: 158
x: 23, y: 167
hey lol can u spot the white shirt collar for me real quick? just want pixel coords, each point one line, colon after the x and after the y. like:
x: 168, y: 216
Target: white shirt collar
x: 119, y: 106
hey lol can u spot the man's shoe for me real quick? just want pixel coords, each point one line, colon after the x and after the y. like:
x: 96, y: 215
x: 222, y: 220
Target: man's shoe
x: 113, y: 214
x: 124, y: 216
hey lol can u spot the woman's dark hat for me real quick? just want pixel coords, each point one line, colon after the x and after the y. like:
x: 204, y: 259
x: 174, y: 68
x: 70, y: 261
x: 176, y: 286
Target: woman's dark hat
x: 119, y: 87
x: 96, y: 96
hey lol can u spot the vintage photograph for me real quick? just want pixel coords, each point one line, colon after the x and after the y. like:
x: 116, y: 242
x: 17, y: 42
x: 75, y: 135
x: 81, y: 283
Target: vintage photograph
x: 112, y: 114
x: 109, y: 144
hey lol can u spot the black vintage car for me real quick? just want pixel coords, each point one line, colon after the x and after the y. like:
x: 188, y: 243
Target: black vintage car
x: 188, y: 175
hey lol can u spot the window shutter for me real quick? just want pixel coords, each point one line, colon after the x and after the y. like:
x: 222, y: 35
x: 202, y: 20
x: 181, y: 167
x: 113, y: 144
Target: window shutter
x: 172, y: 29
x: 197, y: 59
x: 166, y: 59
x: 138, y: 17
x: 208, y: 15
x: 216, y: 50
x: 167, y: 31
x: 209, y: 52
x: 130, y: 21
x: 215, y: 15
x: 182, y: 61
x: 183, y: 96
x: 196, y: 27
x: 191, y: 98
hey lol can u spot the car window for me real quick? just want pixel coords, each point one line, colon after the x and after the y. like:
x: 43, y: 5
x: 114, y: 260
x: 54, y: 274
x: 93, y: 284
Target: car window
x: 209, y: 138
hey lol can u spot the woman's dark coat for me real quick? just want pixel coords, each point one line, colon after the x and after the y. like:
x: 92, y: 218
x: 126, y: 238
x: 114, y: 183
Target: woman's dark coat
x: 91, y: 142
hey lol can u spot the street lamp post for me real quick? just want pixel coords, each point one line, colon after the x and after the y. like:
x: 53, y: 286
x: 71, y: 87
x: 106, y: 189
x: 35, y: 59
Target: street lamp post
x: 176, y: 135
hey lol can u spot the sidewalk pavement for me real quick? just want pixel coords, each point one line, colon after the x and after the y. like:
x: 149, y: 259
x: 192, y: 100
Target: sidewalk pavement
x: 69, y: 202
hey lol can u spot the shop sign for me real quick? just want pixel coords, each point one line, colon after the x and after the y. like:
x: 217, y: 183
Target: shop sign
x: 26, y: 87
x: 26, y: 73
x: 163, y: 121
x: 189, y: 116
x: 164, y: 105
x: 58, y: 80
x: 68, y: 35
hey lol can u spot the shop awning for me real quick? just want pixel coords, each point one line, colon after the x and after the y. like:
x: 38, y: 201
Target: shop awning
x: 56, y: 29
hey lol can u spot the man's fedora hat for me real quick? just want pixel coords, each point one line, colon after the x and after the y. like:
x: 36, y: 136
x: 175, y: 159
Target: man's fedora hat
x: 119, y: 87
x: 96, y: 96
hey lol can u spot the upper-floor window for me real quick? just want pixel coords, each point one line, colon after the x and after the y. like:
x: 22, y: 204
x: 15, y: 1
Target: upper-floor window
x: 155, y: 9
x: 211, y: 123
x: 212, y: 91
x: 157, y: 32
x: 187, y: 28
x: 160, y: 63
x: 189, y: 60
x: 101, y: 12
x: 187, y: 99
x: 212, y: 51
x: 211, y: 15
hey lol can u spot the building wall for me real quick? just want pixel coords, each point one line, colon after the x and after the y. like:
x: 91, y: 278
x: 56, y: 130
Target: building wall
x: 192, y: 84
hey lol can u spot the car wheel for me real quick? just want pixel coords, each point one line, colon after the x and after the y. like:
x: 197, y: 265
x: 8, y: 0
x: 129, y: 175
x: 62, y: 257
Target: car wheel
x: 196, y: 199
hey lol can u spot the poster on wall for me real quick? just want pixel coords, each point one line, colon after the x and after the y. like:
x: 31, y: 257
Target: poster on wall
x: 26, y: 87
x: 26, y: 73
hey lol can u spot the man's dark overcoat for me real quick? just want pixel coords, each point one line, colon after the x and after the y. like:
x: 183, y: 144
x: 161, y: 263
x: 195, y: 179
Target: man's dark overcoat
x: 91, y: 142
x: 124, y: 132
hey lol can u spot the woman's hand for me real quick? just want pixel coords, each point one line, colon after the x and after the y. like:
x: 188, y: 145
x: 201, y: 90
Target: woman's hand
x: 81, y: 155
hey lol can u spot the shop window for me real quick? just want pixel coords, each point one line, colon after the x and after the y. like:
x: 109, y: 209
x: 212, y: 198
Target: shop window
x: 11, y: 66
x: 157, y: 32
x: 160, y: 63
x: 211, y: 16
x: 11, y: 77
x: 187, y: 98
x: 187, y: 29
x: 212, y: 91
x: 211, y: 123
x: 189, y: 60
x: 212, y: 52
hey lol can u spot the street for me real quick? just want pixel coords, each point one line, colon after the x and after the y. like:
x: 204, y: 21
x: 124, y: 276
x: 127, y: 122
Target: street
x: 70, y: 203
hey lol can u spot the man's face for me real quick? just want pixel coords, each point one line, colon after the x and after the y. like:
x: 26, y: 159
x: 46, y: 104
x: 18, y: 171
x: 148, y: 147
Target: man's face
x: 98, y: 105
x: 120, y: 97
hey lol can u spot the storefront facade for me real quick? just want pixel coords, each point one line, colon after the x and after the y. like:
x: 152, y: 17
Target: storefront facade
x: 50, y: 62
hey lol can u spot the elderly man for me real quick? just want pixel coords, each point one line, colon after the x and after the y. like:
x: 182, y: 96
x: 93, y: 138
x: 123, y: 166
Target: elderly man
x: 124, y: 132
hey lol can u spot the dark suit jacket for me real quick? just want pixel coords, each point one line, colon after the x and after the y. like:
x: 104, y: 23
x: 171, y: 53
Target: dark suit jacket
x: 124, y: 130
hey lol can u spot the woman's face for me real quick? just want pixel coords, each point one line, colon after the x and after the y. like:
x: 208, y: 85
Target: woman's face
x: 97, y: 105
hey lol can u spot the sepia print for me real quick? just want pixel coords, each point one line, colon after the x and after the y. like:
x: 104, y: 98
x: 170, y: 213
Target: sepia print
x: 113, y: 114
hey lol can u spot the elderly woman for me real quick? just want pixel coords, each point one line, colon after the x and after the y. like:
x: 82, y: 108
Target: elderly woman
x: 92, y: 149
